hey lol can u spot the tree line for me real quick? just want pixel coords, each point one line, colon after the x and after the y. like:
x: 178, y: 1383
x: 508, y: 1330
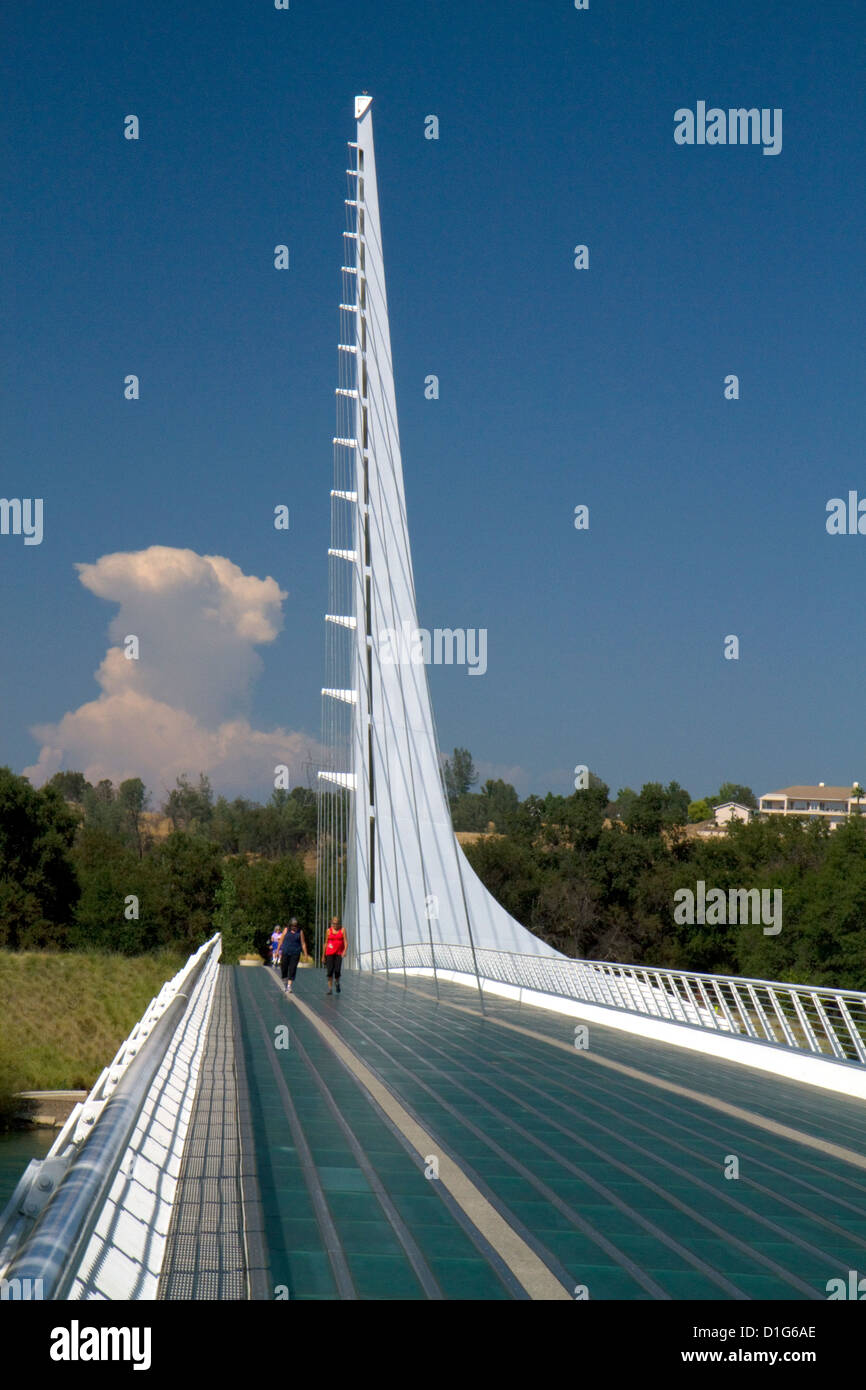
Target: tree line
x: 84, y: 867
x: 596, y: 877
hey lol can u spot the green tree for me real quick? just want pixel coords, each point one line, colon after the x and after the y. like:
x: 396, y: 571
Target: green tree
x: 102, y: 811
x: 38, y: 883
x: 823, y: 936
x: 111, y: 872
x: 584, y: 814
x: 625, y: 799
x: 230, y: 920
x: 459, y: 773
x: 700, y: 810
x: 496, y: 803
x: 229, y: 824
x: 676, y: 804
x: 255, y: 896
x: 285, y: 825
x: 190, y: 808
x: 574, y: 821
x: 509, y: 871
x: 567, y: 914
x: 529, y: 820
x: 617, y: 865
x: 734, y: 791
x: 132, y: 799
x: 187, y: 870
x: 501, y: 802
x: 657, y: 807
x: 70, y: 785
x: 470, y: 812
x: 270, y: 891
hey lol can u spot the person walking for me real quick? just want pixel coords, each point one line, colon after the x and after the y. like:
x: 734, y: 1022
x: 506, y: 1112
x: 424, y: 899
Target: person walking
x: 335, y: 949
x: 276, y: 934
x: 291, y: 946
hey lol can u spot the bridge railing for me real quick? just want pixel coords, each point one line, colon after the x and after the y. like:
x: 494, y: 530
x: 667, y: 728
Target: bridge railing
x: 805, y: 1018
x: 50, y: 1217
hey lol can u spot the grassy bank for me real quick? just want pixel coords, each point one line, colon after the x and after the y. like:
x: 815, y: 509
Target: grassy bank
x: 64, y: 1015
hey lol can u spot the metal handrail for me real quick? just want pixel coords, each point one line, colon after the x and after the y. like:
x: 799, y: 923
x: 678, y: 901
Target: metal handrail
x: 52, y: 1251
x: 801, y: 1018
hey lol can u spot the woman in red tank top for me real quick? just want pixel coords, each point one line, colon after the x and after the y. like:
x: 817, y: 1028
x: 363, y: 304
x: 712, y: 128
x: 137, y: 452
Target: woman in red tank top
x: 335, y: 949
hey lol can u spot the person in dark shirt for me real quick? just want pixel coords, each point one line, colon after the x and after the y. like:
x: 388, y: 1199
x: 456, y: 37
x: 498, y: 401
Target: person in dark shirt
x: 291, y: 946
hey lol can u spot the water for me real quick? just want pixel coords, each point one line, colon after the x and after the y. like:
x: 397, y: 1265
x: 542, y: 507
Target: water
x: 16, y: 1151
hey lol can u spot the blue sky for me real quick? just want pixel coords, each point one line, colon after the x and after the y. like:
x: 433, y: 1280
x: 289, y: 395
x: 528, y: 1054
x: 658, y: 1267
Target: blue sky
x: 558, y: 386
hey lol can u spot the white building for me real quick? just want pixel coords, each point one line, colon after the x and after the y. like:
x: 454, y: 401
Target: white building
x: 831, y: 804
x: 731, y: 810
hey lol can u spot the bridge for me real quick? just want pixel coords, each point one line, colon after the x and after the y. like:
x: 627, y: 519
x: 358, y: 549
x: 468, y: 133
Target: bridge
x: 474, y: 1116
x: 396, y: 1142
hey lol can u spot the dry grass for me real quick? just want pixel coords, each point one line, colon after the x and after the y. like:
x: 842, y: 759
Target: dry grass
x: 64, y: 1015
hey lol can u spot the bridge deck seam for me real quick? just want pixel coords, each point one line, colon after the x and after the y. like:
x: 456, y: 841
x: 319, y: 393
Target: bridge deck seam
x: 655, y: 1188
x: 487, y: 1252
x: 628, y: 1265
x: 258, y: 1267
x: 528, y: 1267
x: 737, y: 1112
x: 422, y: 1270
x: 330, y: 1237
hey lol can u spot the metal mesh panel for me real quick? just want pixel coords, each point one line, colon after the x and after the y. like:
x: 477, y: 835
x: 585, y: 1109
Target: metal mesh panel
x: 204, y: 1257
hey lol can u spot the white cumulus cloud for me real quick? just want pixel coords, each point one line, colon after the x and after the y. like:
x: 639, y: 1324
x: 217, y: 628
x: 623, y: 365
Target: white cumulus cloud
x: 183, y: 706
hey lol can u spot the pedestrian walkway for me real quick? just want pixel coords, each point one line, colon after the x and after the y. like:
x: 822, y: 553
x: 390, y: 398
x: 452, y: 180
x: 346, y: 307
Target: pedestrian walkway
x: 348, y: 1212
x: 625, y: 1170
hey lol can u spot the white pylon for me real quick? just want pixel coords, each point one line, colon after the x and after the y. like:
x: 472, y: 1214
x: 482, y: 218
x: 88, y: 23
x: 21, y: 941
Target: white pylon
x: 405, y: 880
